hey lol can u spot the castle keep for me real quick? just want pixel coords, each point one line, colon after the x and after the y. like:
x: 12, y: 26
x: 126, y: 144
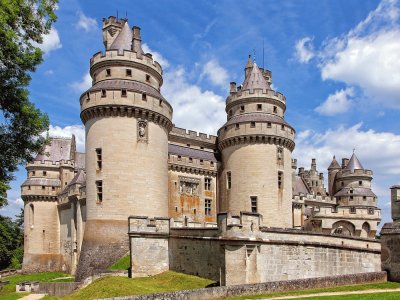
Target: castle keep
x: 191, y: 202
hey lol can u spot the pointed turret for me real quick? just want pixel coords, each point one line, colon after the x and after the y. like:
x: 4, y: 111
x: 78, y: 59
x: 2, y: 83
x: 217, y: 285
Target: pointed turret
x: 248, y: 67
x: 124, y: 39
x: 255, y: 80
x: 354, y: 164
x: 334, y: 164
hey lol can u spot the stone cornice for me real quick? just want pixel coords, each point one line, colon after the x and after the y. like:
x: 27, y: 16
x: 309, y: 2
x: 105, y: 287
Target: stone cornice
x: 191, y: 169
x: 27, y: 198
x: 258, y: 99
x: 256, y: 139
x: 129, y: 111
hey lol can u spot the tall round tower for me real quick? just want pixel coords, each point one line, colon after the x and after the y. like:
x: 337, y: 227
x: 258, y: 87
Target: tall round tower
x: 256, y: 145
x: 127, y: 123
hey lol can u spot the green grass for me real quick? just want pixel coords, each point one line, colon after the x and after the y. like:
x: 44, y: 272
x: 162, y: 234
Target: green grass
x: 113, y: 286
x: 8, y: 291
x: 359, y: 287
x: 380, y: 296
x: 122, y: 264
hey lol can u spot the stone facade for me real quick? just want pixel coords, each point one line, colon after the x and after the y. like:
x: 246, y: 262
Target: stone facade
x: 195, y: 203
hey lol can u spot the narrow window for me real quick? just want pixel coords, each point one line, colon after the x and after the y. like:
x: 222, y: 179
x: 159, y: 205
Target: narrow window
x: 275, y: 109
x: 226, y: 128
x: 99, y: 158
x: 99, y: 188
x: 228, y: 180
x: 253, y: 124
x: 351, y: 198
x: 179, y: 158
x: 207, y: 184
x: 43, y: 187
x: 202, y: 148
x: 370, y: 211
x: 342, y: 183
x: 194, y: 211
x: 280, y: 180
x: 44, y: 173
x: 352, y: 210
x: 269, y: 125
x: 123, y: 93
x: 190, y: 159
x: 364, y: 197
x: 230, y: 112
x: 103, y: 93
x: 242, y: 108
x: 176, y: 208
x: 212, y: 164
x: 53, y: 188
x: 87, y: 96
x: 160, y: 103
x: 207, y: 207
x: 237, y: 126
x: 253, y: 201
x: 29, y: 187
x: 108, y: 72
x: 31, y: 215
x: 128, y: 72
x: 259, y: 106
x: 33, y: 173
x: 147, y: 77
x: 360, y: 183
x: 201, y: 162
x: 144, y: 97
x: 283, y: 127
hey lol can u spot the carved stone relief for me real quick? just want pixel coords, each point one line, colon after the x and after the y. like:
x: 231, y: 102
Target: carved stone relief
x: 189, y: 186
x: 142, y: 128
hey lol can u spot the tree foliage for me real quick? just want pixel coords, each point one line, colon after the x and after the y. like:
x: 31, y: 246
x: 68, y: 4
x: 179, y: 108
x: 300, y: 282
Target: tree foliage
x: 11, y: 243
x: 23, y: 23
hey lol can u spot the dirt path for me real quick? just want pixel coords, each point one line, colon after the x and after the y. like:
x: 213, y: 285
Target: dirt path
x: 33, y: 297
x: 335, y: 294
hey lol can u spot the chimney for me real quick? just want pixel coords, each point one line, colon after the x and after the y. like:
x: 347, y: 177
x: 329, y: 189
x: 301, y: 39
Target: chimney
x: 136, y: 40
x: 314, y: 164
x: 232, y: 87
x: 345, y: 161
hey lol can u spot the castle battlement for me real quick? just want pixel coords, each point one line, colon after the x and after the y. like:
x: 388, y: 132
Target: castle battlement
x: 240, y: 94
x: 130, y: 56
x: 144, y: 224
x: 315, y: 198
x: 348, y: 212
x: 50, y: 164
x: 111, y: 20
x: 355, y: 173
x: 193, y: 135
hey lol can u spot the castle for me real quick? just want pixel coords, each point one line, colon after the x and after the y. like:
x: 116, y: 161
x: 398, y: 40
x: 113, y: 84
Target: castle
x: 191, y: 202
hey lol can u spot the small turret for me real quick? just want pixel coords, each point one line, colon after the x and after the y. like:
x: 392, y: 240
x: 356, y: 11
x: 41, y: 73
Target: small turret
x: 333, y: 168
x: 314, y: 164
x: 395, y: 198
x: 137, y: 41
x: 232, y: 88
x: 111, y: 27
x: 248, y: 67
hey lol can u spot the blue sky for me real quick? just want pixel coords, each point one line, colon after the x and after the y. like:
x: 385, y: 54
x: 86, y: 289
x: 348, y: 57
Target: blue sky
x: 337, y: 63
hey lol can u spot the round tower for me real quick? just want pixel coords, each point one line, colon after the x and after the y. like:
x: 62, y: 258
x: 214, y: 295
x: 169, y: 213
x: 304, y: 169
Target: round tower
x: 256, y: 145
x: 127, y: 123
x: 333, y: 169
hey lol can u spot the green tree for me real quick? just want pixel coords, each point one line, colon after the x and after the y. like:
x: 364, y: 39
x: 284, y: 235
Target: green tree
x: 23, y: 23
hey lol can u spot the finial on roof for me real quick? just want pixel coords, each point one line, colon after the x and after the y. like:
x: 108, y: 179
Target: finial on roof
x: 354, y: 149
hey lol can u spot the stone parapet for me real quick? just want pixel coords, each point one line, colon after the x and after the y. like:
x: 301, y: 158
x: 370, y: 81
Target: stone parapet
x: 181, y: 135
x: 259, y: 93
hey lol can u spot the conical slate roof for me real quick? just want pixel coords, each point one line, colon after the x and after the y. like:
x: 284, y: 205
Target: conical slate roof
x: 354, y: 164
x: 124, y: 39
x: 255, y: 80
x: 334, y: 164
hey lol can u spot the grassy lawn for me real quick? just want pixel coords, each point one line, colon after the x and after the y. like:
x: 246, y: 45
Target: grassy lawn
x: 380, y: 296
x: 114, y: 286
x: 360, y: 287
x: 122, y: 264
x: 8, y: 291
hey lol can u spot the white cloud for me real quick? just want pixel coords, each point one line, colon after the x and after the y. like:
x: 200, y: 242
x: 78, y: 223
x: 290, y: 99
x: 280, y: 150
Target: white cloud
x: 194, y: 108
x: 377, y: 151
x: 304, y: 50
x: 19, y: 202
x: 68, y: 131
x: 368, y: 56
x: 216, y: 74
x: 49, y: 72
x: 336, y: 103
x: 51, y: 41
x: 156, y: 56
x: 86, y: 23
x: 83, y: 85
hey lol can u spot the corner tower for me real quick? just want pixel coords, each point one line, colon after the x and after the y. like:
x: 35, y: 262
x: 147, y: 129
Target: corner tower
x: 127, y: 121
x: 256, y: 145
